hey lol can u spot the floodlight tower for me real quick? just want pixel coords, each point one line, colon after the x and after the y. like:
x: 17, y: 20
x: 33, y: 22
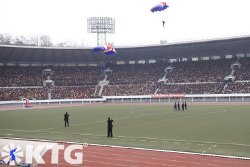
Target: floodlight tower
x: 101, y: 26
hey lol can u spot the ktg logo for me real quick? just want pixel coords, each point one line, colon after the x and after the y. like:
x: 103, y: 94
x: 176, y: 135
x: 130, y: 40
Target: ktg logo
x: 13, y: 154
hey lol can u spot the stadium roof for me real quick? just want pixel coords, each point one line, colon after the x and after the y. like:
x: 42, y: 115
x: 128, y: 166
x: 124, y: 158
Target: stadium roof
x: 222, y: 47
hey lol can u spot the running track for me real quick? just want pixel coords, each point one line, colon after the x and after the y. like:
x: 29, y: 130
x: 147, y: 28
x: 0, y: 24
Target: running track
x: 103, y: 156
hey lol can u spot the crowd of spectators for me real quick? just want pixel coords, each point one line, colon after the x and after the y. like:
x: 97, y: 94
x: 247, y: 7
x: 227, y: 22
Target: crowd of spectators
x: 200, y: 71
x: 76, y: 76
x: 200, y: 77
x: 42, y: 93
x: 129, y: 89
x: 238, y: 87
x: 20, y: 76
x: 142, y: 79
x: 19, y: 93
x: 243, y: 73
x: 136, y: 73
x: 63, y: 76
x: 73, y: 92
x: 195, y: 88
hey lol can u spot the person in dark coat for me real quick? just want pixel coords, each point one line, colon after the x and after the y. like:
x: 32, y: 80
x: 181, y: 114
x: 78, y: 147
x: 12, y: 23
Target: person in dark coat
x: 175, y: 106
x: 110, y: 127
x: 185, y: 105
x: 66, y: 119
x: 178, y: 105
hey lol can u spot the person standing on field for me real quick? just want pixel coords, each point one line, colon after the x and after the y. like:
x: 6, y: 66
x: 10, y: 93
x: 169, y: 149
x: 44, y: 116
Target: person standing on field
x: 110, y: 127
x: 175, y: 106
x: 66, y: 119
x: 185, y: 104
x: 178, y: 105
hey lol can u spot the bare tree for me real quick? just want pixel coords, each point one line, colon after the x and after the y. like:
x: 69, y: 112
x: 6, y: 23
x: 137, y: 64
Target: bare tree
x: 61, y: 44
x: 34, y: 41
x: 45, y: 40
x: 67, y: 43
x: 8, y: 39
x: 1, y: 38
x: 42, y: 40
x: 20, y: 40
x: 5, y: 39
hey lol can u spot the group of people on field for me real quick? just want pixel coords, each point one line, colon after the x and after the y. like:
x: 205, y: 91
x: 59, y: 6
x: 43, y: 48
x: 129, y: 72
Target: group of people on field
x: 182, y: 107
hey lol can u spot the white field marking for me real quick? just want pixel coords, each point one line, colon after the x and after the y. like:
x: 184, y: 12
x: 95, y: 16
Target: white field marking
x: 210, y: 148
x: 203, y: 112
x: 174, y: 140
x: 136, y: 138
x: 134, y: 148
x: 82, y: 123
x: 200, y: 113
x: 170, y: 151
x: 131, y: 138
x: 102, y: 121
x: 77, y: 124
x: 45, y: 129
x: 9, y: 134
x: 31, y: 131
x: 211, y: 112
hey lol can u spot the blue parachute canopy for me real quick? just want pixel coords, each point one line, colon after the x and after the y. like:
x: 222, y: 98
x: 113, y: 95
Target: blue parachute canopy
x: 107, y: 50
x: 160, y: 7
x: 99, y: 49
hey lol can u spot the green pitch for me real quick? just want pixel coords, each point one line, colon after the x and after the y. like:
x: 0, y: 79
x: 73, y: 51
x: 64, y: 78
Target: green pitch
x: 204, y: 129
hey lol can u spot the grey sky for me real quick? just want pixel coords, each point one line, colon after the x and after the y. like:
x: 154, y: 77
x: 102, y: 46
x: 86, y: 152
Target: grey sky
x: 185, y: 19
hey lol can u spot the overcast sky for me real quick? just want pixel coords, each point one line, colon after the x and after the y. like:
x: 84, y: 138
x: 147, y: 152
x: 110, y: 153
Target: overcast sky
x: 186, y: 20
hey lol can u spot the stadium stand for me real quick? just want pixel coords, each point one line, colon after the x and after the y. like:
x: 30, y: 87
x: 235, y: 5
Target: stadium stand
x: 76, y: 76
x: 243, y: 73
x: 18, y: 93
x: 202, y: 76
x: 20, y: 76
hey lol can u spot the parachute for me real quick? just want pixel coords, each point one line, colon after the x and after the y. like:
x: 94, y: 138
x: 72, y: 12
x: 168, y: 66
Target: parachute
x: 107, y: 50
x: 109, y: 53
x: 159, y: 8
x: 99, y: 49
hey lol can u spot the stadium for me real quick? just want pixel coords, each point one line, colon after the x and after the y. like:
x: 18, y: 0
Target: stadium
x: 138, y: 90
x: 174, y: 104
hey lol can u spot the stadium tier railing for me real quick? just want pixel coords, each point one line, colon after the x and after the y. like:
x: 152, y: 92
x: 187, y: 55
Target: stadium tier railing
x: 158, y: 98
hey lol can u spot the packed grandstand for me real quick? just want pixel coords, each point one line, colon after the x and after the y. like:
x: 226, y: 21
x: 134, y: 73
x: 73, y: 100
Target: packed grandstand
x: 207, y: 67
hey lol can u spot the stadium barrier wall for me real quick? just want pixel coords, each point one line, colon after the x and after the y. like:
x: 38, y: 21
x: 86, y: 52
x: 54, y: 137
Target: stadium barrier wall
x: 159, y: 98
x: 169, y: 98
x: 52, y: 102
